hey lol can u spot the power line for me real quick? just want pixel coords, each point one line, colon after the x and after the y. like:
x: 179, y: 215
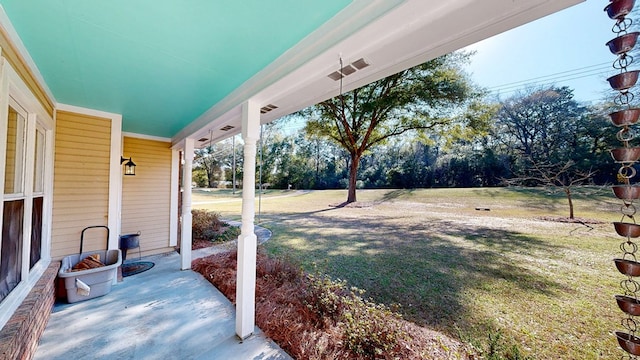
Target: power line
x: 555, y: 75
x: 549, y: 83
x: 568, y: 77
x: 595, y: 70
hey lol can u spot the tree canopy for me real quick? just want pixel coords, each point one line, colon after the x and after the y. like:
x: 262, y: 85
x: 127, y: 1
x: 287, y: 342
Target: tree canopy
x: 553, y: 137
x: 427, y: 97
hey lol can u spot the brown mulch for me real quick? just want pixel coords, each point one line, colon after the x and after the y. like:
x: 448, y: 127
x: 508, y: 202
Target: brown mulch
x: 200, y: 244
x: 284, y: 316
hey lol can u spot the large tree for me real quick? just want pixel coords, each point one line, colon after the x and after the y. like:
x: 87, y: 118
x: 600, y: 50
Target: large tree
x: 213, y: 162
x: 427, y: 97
x: 208, y: 159
x: 541, y: 124
x: 553, y: 136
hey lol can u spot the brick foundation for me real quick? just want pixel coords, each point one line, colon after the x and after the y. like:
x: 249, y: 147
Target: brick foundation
x: 19, y: 337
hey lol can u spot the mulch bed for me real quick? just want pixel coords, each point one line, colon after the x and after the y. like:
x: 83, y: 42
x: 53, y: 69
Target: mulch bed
x: 199, y: 244
x: 284, y: 315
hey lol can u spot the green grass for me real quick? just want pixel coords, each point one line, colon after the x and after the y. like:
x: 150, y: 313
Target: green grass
x: 545, y: 286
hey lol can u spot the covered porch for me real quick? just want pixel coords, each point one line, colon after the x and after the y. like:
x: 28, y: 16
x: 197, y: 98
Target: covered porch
x: 150, y: 315
x: 86, y: 84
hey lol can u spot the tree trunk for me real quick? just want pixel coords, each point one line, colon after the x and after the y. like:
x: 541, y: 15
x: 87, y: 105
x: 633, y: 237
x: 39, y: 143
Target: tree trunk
x: 317, y: 178
x: 353, y: 177
x: 567, y: 191
x: 210, y: 177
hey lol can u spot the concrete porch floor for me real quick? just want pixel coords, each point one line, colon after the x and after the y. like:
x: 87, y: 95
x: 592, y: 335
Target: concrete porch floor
x: 163, y: 313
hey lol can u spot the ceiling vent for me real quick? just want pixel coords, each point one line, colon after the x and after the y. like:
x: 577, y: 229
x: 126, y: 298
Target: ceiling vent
x: 349, y: 69
x: 267, y: 108
x: 203, y: 139
x: 360, y: 64
x: 227, y: 128
x: 336, y: 75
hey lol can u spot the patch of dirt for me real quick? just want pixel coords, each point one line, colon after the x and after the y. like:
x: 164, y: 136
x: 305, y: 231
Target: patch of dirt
x: 565, y: 219
x: 357, y: 204
x: 284, y: 313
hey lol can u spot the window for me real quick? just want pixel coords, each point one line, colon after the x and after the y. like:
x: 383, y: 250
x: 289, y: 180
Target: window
x: 38, y: 165
x: 38, y: 198
x: 14, y: 202
x: 14, y: 158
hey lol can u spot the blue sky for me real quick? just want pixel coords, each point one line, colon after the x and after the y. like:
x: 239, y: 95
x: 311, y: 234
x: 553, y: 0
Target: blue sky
x: 566, y: 48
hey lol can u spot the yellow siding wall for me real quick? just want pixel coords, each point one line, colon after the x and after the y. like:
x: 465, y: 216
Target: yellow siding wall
x: 146, y: 197
x: 81, y: 182
x: 17, y: 62
x: 10, y: 162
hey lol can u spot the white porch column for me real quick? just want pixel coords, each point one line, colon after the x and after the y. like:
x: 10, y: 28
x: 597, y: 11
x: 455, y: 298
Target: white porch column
x: 185, y: 241
x: 247, y: 241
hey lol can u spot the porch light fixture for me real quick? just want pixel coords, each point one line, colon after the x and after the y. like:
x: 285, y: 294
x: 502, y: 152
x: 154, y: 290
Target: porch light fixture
x: 129, y: 166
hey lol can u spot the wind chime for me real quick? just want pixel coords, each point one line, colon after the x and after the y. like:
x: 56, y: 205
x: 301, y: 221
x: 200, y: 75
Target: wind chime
x: 626, y: 156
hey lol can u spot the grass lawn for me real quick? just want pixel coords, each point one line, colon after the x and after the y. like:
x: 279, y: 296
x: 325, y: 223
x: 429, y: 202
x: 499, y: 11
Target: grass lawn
x: 546, y: 286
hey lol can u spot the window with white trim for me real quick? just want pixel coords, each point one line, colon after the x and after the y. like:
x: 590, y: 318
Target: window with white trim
x: 13, y: 211
x: 24, y: 194
x: 37, y: 209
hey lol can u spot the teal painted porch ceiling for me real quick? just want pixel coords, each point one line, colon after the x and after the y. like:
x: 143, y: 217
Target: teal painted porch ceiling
x: 159, y: 63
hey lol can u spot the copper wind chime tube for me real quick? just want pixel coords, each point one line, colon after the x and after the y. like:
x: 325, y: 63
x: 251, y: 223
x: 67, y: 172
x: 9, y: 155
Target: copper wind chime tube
x: 626, y: 156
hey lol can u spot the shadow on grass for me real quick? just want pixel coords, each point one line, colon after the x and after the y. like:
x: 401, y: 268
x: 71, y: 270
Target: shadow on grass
x: 428, y: 268
x: 395, y: 194
x: 550, y: 197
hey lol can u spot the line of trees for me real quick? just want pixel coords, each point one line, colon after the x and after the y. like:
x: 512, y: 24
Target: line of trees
x: 531, y: 131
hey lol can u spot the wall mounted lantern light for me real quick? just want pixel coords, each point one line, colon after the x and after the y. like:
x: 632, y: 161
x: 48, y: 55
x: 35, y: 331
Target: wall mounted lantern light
x: 129, y: 166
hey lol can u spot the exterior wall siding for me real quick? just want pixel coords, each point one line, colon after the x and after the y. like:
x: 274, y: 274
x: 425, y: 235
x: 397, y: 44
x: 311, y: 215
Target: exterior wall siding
x: 146, y: 197
x: 10, y: 162
x: 81, y: 182
x: 12, y: 55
